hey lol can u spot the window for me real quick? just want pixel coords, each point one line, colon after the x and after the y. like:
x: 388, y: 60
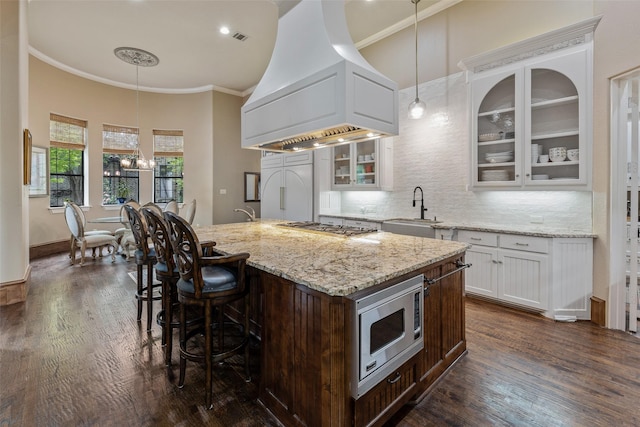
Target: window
x: 118, y: 185
x: 67, y: 140
x: 167, y: 175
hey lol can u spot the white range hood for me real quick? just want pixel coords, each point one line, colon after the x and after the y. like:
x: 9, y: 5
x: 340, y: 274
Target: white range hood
x: 318, y: 90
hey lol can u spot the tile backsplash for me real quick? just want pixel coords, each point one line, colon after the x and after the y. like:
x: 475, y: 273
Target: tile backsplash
x: 434, y: 153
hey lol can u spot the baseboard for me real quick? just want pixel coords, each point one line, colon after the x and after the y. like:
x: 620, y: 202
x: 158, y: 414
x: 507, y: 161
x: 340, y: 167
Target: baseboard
x: 41, y: 251
x: 15, y: 291
x: 598, y: 311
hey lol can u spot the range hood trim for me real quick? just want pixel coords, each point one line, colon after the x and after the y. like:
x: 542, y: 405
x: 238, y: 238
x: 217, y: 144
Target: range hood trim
x: 343, y: 90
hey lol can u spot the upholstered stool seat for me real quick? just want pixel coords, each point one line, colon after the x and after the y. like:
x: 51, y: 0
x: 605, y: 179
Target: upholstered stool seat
x: 212, y: 282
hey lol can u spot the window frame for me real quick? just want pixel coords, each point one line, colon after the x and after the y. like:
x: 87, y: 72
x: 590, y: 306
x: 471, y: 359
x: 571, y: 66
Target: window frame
x: 68, y: 134
x: 168, y: 144
x: 120, y: 141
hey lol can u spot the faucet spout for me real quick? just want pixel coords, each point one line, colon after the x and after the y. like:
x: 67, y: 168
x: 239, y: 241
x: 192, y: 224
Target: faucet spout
x: 251, y: 215
x: 422, y: 208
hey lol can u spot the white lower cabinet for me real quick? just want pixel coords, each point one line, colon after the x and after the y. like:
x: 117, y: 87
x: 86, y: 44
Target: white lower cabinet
x: 550, y: 275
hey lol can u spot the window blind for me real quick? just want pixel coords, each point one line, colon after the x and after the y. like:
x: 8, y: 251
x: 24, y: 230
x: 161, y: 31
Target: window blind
x: 168, y: 143
x: 67, y: 132
x: 119, y: 139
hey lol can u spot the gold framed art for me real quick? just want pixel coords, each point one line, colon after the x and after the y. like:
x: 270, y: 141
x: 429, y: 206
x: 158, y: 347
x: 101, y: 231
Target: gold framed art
x: 26, y: 141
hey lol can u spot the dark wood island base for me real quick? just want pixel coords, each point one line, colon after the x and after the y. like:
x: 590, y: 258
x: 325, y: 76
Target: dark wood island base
x: 307, y: 344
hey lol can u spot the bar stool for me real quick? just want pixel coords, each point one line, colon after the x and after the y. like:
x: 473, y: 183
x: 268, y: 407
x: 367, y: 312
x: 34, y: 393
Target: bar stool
x: 145, y: 257
x: 211, y: 282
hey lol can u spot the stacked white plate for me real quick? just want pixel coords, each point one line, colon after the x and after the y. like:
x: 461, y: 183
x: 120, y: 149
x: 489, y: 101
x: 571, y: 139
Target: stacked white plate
x: 540, y: 177
x: 494, y: 175
x: 505, y: 156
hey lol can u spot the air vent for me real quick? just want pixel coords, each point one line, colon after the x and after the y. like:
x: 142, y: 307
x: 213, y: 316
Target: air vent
x: 240, y: 36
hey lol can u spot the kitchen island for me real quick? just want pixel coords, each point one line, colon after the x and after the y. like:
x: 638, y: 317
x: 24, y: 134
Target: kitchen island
x: 303, y: 286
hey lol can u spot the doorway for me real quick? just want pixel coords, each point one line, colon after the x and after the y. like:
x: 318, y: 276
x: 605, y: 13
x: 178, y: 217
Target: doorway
x: 625, y: 209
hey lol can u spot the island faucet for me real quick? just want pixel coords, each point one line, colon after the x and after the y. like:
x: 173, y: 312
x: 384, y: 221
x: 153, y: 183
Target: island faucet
x: 422, y: 208
x: 252, y: 215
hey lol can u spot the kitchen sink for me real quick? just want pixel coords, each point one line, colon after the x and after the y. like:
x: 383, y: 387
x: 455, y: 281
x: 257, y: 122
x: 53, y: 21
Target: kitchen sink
x: 417, y: 221
x: 411, y: 227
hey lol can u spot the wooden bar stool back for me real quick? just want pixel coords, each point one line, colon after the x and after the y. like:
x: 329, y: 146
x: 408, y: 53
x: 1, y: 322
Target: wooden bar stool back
x: 211, y: 281
x: 145, y: 257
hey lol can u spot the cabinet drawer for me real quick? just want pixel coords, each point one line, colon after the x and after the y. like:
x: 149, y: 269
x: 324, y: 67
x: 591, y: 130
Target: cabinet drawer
x: 362, y: 224
x: 382, y: 401
x: 478, y: 238
x: 524, y: 243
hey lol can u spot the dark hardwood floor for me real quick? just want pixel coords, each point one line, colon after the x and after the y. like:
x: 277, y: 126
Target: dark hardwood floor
x: 74, y: 355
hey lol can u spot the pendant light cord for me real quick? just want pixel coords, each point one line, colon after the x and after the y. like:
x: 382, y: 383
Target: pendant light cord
x: 415, y: 30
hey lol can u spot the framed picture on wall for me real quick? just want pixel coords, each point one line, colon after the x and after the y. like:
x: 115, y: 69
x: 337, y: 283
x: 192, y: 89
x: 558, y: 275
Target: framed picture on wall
x: 26, y: 141
x: 39, y: 186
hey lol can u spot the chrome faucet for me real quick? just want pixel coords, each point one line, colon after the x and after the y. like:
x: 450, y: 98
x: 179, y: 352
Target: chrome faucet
x: 422, y: 208
x: 252, y: 215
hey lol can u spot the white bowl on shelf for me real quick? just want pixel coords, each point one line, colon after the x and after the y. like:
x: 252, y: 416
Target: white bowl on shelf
x: 558, y: 154
x: 573, y: 155
x: 540, y: 177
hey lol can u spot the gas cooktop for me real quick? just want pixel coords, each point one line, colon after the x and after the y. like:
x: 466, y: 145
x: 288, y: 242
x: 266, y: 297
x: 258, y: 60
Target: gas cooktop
x: 345, y: 230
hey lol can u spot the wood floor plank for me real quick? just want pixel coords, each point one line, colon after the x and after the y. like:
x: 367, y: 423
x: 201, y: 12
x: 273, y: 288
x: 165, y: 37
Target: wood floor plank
x: 74, y: 355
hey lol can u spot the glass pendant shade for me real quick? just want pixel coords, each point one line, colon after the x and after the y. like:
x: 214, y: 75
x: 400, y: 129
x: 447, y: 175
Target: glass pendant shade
x: 416, y: 109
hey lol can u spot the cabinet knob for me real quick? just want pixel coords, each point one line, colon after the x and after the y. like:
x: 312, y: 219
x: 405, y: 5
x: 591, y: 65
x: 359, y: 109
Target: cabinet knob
x: 527, y: 175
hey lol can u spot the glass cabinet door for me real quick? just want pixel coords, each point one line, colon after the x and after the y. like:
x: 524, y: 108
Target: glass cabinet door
x: 496, y: 148
x: 365, y: 160
x: 342, y: 165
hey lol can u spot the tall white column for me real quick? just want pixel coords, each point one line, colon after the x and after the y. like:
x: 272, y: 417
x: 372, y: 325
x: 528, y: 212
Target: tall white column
x: 14, y: 195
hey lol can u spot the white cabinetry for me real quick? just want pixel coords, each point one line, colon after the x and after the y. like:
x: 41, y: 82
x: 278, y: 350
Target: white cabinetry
x: 550, y: 275
x: 526, y: 99
x: 509, y: 267
x: 287, y: 186
x: 523, y: 111
x: 330, y: 220
x: 364, y: 165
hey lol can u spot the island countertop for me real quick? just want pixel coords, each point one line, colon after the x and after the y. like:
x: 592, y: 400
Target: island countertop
x: 333, y: 264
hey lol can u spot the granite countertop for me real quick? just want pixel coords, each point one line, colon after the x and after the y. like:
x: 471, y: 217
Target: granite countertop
x: 333, y: 264
x: 532, y: 230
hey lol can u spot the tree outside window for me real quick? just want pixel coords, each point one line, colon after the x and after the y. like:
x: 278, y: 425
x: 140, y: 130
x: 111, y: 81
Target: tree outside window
x: 168, y: 173
x: 67, y: 140
x: 118, y: 185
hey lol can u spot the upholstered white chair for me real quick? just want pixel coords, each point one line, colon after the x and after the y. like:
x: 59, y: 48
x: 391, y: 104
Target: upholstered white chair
x: 172, y: 206
x: 83, y: 219
x: 189, y: 211
x: 83, y: 241
x: 124, y: 236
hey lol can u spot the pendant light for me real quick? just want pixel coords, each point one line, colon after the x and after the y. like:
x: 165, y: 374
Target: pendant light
x: 417, y: 107
x: 140, y: 58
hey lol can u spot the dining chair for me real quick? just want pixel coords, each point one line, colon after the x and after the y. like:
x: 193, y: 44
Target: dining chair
x: 83, y: 219
x: 83, y: 241
x: 190, y: 211
x: 211, y: 282
x: 145, y: 256
x: 124, y: 236
x: 171, y: 206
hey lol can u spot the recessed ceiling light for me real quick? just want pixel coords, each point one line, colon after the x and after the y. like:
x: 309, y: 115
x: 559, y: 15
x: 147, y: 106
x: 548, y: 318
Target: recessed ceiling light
x: 224, y: 30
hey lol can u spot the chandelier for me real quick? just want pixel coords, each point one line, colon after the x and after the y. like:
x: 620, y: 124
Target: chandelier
x: 140, y: 58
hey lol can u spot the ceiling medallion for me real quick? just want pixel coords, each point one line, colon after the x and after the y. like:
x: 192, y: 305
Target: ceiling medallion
x: 135, y: 56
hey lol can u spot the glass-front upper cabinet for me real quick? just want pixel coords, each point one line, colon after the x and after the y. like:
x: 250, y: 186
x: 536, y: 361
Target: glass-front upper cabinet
x: 364, y: 165
x: 530, y: 124
x: 498, y: 137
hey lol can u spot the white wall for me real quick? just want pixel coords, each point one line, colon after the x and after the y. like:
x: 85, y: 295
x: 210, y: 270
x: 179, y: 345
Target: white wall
x: 434, y: 153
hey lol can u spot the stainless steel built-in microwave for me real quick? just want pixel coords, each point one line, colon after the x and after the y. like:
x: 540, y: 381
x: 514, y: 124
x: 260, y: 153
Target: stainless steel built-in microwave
x: 388, y: 331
